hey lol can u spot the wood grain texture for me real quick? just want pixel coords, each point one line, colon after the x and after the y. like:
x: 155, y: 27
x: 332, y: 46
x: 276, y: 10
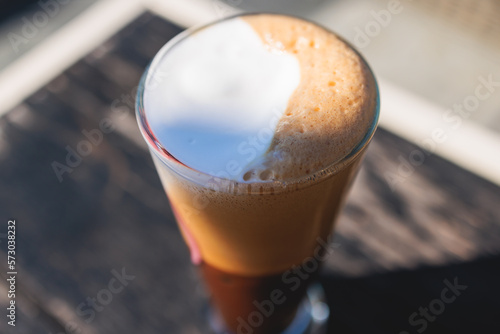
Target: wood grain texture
x: 396, y: 246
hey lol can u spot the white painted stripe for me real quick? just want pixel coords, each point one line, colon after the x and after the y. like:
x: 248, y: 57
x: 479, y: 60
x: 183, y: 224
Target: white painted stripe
x: 468, y: 145
x: 74, y: 40
x: 188, y: 13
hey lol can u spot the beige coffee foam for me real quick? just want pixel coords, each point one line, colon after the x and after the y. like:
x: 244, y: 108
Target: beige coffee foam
x: 332, y: 108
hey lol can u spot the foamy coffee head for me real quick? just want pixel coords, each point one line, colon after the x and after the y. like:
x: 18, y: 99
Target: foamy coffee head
x: 258, y: 98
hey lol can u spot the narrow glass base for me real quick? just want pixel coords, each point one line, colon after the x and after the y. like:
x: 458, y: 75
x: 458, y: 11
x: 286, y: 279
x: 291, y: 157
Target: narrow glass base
x: 311, y: 318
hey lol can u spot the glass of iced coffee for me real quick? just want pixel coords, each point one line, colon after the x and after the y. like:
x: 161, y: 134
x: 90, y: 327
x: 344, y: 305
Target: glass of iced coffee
x: 257, y: 125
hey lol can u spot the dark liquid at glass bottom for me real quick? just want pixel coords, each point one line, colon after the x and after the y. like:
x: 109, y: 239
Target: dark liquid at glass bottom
x: 257, y: 305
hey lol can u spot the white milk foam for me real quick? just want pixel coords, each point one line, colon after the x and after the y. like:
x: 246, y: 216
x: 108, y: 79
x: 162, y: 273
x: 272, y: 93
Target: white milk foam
x: 213, y: 100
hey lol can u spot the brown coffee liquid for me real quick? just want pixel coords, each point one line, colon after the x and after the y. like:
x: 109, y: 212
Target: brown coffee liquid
x: 258, y: 305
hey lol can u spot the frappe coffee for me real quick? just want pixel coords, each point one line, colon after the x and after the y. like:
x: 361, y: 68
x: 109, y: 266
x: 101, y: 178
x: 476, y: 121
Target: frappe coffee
x: 257, y: 129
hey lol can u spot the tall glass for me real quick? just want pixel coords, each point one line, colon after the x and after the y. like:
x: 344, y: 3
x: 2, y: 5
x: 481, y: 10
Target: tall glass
x: 259, y: 245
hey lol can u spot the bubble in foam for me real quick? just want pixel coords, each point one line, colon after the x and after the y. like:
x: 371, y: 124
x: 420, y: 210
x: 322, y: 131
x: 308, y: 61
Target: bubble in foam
x: 266, y: 174
x: 248, y: 176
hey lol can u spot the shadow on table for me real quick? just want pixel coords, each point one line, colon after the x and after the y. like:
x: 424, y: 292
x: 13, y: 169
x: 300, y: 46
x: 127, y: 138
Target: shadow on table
x: 457, y: 298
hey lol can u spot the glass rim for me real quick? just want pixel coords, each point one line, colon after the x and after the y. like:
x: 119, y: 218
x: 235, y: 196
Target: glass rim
x: 203, y: 178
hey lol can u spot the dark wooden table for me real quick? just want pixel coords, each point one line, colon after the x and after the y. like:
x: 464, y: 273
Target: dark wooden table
x: 98, y: 250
